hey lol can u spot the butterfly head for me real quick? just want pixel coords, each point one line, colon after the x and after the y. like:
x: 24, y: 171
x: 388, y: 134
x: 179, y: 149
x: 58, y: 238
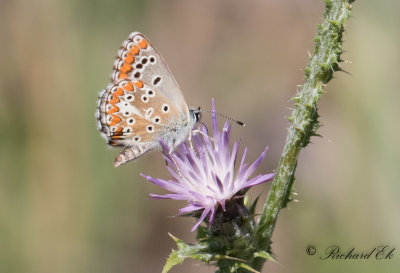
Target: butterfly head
x: 195, y: 115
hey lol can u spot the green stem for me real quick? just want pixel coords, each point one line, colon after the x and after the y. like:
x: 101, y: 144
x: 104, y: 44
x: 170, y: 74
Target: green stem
x: 304, y: 123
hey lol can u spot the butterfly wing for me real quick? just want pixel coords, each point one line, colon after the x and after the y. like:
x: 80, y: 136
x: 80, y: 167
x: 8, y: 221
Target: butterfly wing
x: 139, y: 60
x: 135, y: 115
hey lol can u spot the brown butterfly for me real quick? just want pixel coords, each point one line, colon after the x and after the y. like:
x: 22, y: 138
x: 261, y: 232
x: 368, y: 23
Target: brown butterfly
x: 143, y: 105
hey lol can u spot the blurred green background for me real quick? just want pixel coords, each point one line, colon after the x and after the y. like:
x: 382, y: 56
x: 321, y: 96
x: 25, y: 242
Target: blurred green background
x: 65, y: 208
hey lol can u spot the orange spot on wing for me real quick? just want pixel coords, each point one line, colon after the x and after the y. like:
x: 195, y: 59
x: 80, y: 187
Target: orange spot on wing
x: 118, y: 131
x: 113, y: 143
x: 129, y: 58
x: 122, y: 75
x: 143, y: 43
x: 128, y: 86
x: 139, y: 84
x: 134, y: 50
x: 113, y: 110
x: 119, y: 92
x: 115, y: 120
x: 125, y: 68
x: 114, y: 99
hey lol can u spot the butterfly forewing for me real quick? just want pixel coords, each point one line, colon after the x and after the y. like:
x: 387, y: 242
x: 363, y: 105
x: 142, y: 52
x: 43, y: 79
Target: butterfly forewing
x: 139, y: 60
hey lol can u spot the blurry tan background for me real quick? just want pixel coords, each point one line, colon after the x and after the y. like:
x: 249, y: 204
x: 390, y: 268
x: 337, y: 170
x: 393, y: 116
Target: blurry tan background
x: 64, y: 208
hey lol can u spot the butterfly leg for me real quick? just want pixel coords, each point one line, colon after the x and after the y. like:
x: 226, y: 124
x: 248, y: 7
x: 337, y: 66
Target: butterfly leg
x: 204, y: 134
x: 190, y: 140
x: 176, y: 165
x: 168, y: 150
x: 199, y: 149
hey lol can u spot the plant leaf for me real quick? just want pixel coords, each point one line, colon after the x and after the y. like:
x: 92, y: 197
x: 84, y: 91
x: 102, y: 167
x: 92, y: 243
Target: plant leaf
x: 196, y: 251
x: 265, y: 255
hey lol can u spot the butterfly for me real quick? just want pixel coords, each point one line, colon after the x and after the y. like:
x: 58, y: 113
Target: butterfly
x: 143, y: 105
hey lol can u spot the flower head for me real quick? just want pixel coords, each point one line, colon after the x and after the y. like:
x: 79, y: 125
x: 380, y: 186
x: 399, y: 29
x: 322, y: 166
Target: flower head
x: 206, y: 176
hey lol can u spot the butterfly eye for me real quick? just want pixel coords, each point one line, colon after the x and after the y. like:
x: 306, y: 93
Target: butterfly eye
x: 197, y: 116
x: 165, y: 108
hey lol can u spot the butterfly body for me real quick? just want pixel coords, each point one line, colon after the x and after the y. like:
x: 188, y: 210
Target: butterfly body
x: 143, y: 104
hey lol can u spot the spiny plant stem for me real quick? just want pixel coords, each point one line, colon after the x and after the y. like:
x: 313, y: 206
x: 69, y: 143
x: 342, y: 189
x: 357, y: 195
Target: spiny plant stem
x: 304, y: 118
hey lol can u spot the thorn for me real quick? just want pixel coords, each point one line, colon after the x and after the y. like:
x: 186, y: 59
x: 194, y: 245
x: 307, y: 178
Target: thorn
x: 344, y: 71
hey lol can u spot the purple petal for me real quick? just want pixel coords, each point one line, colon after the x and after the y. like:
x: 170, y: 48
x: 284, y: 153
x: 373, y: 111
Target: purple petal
x: 259, y: 180
x: 235, y: 150
x: 219, y: 183
x: 168, y: 185
x: 198, y: 196
x: 164, y: 146
x: 211, y: 219
x: 227, y: 180
x: 174, y: 174
x: 193, y: 164
x: 243, y: 158
x: 174, y: 196
x: 253, y: 166
x: 202, y: 217
x: 157, y: 196
x: 222, y: 202
x: 189, y: 208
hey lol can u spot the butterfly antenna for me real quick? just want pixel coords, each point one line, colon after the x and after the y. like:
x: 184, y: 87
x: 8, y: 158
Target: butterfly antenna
x: 238, y: 122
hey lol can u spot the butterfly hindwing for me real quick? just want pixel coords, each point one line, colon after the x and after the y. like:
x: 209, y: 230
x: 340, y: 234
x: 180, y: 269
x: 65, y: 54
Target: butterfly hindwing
x: 131, y: 114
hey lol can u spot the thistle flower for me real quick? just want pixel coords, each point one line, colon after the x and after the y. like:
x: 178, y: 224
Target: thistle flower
x: 205, y: 176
